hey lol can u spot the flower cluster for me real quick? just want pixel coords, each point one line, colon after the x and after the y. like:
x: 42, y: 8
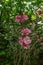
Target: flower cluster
x: 26, y: 31
x: 25, y: 42
x: 22, y: 18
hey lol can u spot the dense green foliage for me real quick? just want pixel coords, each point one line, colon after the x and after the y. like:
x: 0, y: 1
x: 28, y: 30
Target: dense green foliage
x: 11, y: 52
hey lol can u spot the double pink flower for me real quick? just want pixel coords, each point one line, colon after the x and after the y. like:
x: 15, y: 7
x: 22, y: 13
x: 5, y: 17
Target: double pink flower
x: 22, y: 18
x: 26, y: 31
x: 25, y: 42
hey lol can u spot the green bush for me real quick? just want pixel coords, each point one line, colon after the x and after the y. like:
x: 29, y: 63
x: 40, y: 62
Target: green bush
x: 11, y: 52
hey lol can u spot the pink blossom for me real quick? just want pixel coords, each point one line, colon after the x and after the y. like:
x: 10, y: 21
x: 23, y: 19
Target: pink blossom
x: 18, y: 18
x: 25, y: 42
x: 22, y: 18
x: 25, y: 17
x: 26, y: 31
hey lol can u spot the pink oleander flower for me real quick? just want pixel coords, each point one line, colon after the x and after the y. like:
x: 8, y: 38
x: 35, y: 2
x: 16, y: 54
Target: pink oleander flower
x: 25, y: 17
x: 18, y: 18
x: 22, y: 18
x: 26, y: 31
x: 25, y: 42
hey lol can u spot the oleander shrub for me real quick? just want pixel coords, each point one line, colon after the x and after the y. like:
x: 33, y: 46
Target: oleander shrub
x: 21, y: 32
